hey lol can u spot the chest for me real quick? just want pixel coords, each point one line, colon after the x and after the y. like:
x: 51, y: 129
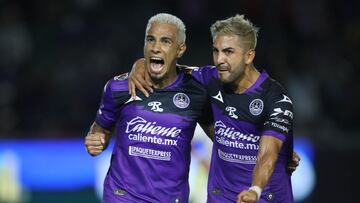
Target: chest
x: 168, y: 107
x: 249, y: 108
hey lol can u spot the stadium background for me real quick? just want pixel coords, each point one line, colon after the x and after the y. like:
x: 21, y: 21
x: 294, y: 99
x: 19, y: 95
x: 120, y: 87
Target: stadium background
x: 55, y: 57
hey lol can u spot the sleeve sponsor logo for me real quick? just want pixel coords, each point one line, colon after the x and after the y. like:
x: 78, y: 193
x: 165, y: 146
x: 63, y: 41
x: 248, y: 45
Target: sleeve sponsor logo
x: 278, y: 111
x: 278, y: 126
x: 285, y: 99
x: 280, y: 120
x: 123, y: 76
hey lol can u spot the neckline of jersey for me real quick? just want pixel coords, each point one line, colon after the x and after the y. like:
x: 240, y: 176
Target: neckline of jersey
x: 257, y: 83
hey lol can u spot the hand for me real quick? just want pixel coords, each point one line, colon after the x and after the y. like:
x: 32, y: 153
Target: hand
x: 291, y: 167
x: 95, y: 143
x: 139, y: 78
x: 247, y: 196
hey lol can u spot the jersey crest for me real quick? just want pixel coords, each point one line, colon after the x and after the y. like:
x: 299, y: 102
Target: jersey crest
x: 256, y: 107
x: 181, y: 100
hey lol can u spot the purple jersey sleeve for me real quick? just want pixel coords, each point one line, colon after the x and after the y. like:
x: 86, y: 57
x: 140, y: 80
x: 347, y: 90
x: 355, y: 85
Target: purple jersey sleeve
x: 106, y: 115
x: 279, y: 119
x: 204, y: 74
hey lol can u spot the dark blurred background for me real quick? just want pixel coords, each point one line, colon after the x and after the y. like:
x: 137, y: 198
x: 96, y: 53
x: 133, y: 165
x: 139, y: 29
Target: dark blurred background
x: 56, y: 56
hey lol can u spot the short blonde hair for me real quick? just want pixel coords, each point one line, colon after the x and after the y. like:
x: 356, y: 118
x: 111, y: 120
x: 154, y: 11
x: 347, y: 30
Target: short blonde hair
x: 236, y: 25
x: 165, y: 18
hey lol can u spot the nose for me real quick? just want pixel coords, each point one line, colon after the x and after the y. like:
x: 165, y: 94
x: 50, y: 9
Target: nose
x: 219, y: 58
x: 156, y: 47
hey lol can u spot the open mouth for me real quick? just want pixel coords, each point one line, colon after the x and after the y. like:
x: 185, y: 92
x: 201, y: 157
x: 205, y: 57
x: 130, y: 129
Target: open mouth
x: 156, y: 64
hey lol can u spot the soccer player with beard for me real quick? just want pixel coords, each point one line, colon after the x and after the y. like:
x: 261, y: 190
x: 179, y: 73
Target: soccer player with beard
x: 151, y: 157
x: 253, y: 143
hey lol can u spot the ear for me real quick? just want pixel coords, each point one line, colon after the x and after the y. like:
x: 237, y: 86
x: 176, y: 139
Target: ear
x: 181, y: 50
x: 249, y: 56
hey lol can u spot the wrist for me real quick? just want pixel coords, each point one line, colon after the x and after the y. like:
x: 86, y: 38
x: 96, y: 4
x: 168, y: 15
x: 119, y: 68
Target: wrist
x: 257, y: 190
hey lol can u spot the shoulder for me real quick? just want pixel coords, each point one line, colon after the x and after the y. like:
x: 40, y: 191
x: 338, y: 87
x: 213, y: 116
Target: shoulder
x: 203, y: 69
x: 276, y: 97
x: 190, y: 82
x: 204, y: 74
x: 269, y: 86
x: 118, y: 83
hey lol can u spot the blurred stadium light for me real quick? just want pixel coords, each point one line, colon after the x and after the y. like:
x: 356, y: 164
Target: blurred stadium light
x: 64, y: 165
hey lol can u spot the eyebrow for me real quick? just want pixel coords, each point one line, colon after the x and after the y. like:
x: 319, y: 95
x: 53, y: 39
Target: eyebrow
x: 161, y: 38
x: 228, y: 49
x: 225, y: 49
x: 165, y: 37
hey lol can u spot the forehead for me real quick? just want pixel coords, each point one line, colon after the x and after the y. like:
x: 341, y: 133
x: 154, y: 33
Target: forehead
x: 162, y: 30
x: 226, y: 41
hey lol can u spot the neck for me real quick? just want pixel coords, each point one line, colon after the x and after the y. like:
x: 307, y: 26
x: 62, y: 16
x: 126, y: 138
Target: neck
x: 166, y: 80
x: 246, y: 80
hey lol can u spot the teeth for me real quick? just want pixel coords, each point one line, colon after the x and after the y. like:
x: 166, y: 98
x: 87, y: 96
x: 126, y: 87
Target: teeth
x: 156, y: 58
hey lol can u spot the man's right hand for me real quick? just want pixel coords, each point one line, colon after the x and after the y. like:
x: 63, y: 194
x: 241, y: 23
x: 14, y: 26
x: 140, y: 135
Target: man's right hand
x: 95, y: 143
x: 140, y: 79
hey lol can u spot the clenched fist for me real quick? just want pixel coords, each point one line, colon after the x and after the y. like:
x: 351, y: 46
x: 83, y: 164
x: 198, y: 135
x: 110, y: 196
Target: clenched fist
x: 247, y: 196
x: 95, y: 143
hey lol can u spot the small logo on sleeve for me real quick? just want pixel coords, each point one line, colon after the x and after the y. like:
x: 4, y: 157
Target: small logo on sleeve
x: 123, y: 76
x: 278, y: 111
x: 285, y: 99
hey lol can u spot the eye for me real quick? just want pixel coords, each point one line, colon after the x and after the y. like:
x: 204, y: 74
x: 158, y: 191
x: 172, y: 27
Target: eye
x: 228, y: 52
x: 166, y: 41
x: 215, y: 51
x: 150, y: 39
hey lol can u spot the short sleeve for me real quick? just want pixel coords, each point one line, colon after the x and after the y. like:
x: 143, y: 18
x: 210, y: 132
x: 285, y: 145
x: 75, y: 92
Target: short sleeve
x: 106, y: 116
x: 279, y: 118
x: 204, y: 74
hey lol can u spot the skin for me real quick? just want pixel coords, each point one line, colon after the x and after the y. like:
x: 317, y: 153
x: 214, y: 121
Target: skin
x: 234, y: 62
x: 96, y: 140
x: 269, y: 149
x: 235, y: 67
x: 160, y: 42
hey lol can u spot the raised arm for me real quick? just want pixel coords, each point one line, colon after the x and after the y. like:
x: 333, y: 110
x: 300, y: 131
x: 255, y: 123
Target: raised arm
x: 140, y: 79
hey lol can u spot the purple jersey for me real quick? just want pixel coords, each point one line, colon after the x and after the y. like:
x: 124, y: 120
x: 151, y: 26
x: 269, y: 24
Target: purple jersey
x: 240, y: 121
x: 151, y: 157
